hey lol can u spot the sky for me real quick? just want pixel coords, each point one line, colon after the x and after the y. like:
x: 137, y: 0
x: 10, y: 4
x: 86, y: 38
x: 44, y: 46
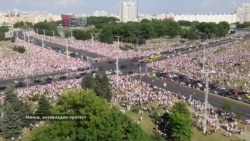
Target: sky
x: 144, y: 6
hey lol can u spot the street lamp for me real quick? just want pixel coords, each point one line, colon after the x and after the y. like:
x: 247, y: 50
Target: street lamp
x: 37, y: 33
x: 89, y: 61
x: 206, y: 92
x: 206, y: 100
x: 71, y: 37
x: 44, y: 34
x: 42, y: 42
x: 117, y: 61
x: 28, y: 38
x: 204, y: 57
x: 24, y: 36
x: 67, y: 49
x: 53, y: 35
x: 92, y: 39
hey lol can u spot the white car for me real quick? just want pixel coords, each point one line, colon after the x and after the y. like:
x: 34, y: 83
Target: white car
x: 108, y: 72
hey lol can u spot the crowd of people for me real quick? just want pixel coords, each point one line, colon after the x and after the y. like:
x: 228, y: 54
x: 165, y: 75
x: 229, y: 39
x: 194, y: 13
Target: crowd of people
x: 36, y: 60
x: 224, y: 59
x: 137, y: 92
x: 230, y: 64
x: 134, y: 92
x: 52, y: 91
x: 109, y: 51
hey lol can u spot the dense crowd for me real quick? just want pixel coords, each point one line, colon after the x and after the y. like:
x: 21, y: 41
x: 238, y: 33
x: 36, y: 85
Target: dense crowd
x: 109, y: 51
x: 52, y: 90
x: 133, y: 92
x: 36, y: 60
x: 138, y: 93
x: 230, y: 62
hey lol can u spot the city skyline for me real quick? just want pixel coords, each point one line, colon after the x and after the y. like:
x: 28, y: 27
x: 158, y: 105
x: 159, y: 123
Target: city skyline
x: 112, y: 6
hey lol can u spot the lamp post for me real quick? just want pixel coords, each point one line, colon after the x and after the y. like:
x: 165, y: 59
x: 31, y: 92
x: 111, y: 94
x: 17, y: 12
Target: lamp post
x: 24, y: 36
x: 26, y: 78
x: 92, y: 39
x: 71, y: 37
x: 204, y: 57
x: 42, y: 41
x: 17, y: 36
x: 206, y: 100
x: 205, y: 104
x: 117, y: 61
x: 67, y: 49
x: 53, y: 35
x: 37, y: 33
x: 28, y: 38
x: 44, y: 34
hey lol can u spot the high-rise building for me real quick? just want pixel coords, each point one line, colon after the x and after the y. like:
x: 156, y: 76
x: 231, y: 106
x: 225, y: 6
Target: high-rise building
x: 129, y: 11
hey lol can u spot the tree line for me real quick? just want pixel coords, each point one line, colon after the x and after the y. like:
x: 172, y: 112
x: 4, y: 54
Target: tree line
x: 3, y: 30
x: 23, y: 25
x: 107, y: 28
x: 132, y: 31
x: 47, y: 28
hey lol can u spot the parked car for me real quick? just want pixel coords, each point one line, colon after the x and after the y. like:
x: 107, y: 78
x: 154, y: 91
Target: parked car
x: 247, y: 101
x: 124, y: 66
x: 37, y: 81
x: 237, y: 97
x: 108, y: 72
x: 247, y: 96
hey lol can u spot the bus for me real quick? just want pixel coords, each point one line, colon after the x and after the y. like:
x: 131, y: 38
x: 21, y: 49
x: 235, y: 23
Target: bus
x: 154, y: 57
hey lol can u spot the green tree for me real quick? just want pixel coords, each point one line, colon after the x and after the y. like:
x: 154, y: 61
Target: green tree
x: 3, y: 29
x: 178, y: 123
x: 107, y: 35
x: 103, y: 88
x: 14, y: 114
x: 181, y: 107
x: 101, y: 122
x: 81, y: 35
x: 100, y: 84
x: 181, y: 127
x: 88, y: 82
x: 11, y: 125
x: 99, y: 22
x: 43, y: 106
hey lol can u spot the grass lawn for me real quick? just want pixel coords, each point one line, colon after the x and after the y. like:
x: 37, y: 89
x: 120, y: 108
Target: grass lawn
x: 146, y: 123
x: 219, y: 136
x: 26, y: 136
x: 6, y: 48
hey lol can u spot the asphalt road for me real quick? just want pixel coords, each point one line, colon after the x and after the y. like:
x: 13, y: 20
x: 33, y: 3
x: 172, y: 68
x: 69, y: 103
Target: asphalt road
x: 215, y: 100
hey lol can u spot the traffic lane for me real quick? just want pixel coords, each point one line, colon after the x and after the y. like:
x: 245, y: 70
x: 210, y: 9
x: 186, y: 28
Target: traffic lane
x: 105, y: 65
x: 215, y: 100
x: 22, y: 78
x: 82, y: 52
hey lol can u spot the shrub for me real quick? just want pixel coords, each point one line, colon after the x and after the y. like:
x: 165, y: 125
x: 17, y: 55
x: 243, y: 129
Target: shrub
x: 20, y: 49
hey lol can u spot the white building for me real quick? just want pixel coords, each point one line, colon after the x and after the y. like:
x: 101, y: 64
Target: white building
x: 100, y: 13
x: 151, y: 16
x: 216, y: 18
x: 129, y: 11
x: 243, y: 13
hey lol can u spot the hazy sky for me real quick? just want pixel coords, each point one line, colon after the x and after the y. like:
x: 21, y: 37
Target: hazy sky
x: 145, y: 6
